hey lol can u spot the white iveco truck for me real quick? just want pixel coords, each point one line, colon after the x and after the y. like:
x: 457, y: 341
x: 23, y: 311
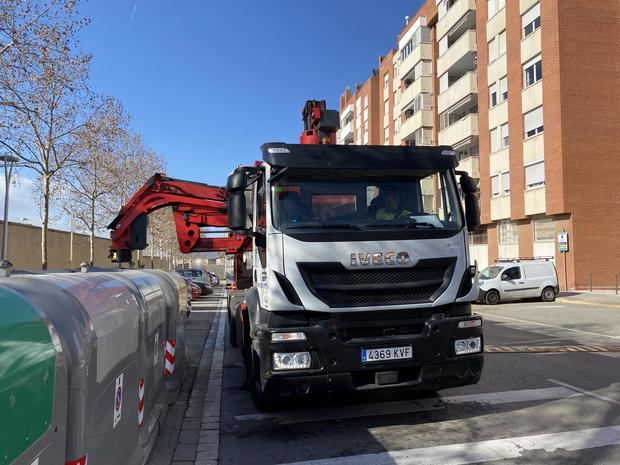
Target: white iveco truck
x: 360, y: 276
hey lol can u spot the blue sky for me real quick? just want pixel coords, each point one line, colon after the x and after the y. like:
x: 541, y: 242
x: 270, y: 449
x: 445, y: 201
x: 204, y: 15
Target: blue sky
x: 208, y: 81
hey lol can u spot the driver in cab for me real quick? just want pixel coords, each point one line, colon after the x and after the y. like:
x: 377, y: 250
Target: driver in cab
x: 391, y: 210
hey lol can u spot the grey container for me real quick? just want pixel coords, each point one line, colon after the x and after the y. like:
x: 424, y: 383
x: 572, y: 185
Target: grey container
x: 111, y: 330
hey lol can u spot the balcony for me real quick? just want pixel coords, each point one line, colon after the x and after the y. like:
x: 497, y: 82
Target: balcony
x: 423, y: 118
x: 471, y: 165
x: 454, y: 15
x: 423, y: 84
x: 532, y: 97
x: 460, y: 55
x: 346, y: 133
x: 423, y: 51
x: 466, y: 85
x: 348, y: 111
x: 461, y: 133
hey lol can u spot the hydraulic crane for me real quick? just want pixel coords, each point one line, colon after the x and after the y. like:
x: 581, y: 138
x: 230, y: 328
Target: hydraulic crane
x: 196, y: 206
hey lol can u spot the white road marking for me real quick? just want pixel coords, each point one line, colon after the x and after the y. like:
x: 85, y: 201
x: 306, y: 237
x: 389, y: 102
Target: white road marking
x: 484, y: 451
x: 410, y: 406
x: 587, y: 393
x: 493, y: 315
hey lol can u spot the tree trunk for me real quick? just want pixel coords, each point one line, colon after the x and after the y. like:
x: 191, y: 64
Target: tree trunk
x: 92, y: 234
x: 45, y: 220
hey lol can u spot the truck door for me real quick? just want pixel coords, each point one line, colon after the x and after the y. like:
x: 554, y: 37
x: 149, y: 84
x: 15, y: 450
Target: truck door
x: 513, y: 283
x: 260, y: 237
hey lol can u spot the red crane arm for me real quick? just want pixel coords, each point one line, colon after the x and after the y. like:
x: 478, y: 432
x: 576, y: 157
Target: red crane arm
x: 194, y: 205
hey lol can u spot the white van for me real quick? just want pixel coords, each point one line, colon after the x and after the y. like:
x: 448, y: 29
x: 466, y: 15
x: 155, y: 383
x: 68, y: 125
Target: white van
x: 519, y: 279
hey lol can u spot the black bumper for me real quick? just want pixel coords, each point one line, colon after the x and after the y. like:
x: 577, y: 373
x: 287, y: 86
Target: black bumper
x: 337, y: 361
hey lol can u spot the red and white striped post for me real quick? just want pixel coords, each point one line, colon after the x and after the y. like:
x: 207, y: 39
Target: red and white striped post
x: 170, y: 356
x: 141, y: 403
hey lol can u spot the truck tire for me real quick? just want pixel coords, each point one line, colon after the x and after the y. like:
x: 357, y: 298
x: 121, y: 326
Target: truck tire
x: 232, y: 328
x: 548, y: 294
x: 262, y: 399
x: 491, y: 297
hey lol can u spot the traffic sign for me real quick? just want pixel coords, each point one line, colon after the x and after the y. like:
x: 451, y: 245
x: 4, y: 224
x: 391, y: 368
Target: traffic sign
x: 563, y: 241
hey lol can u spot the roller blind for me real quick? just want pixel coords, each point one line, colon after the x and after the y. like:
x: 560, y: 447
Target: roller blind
x: 495, y: 185
x: 531, y: 14
x: 506, y: 182
x: 535, y: 174
x: 533, y: 122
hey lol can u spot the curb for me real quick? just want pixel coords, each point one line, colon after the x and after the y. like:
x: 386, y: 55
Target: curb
x: 588, y: 304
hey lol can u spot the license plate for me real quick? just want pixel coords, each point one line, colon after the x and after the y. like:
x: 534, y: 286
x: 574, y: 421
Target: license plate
x: 387, y: 353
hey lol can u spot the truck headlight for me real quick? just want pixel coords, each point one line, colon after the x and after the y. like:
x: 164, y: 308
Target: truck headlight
x: 291, y: 360
x: 285, y: 337
x: 468, y: 346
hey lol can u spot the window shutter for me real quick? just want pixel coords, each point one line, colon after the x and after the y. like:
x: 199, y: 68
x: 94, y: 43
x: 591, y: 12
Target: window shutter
x: 535, y: 174
x: 533, y: 119
x: 506, y: 181
x: 495, y: 185
x: 531, y: 15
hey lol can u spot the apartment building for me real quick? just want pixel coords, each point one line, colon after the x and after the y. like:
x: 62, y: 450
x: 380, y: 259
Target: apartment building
x: 528, y: 93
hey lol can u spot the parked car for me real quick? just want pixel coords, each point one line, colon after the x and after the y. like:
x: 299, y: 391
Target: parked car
x: 519, y: 279
x: 200, y: 277
x: 195, y: 290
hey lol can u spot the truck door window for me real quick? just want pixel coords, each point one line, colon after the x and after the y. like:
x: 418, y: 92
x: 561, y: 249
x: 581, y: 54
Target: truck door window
x: 261, y: 220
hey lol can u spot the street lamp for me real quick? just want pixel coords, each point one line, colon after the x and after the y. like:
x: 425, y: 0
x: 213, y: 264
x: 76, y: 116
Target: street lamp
x: 9, y: 162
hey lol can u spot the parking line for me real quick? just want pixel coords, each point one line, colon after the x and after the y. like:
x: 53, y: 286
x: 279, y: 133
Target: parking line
x: 587, y: 393
x: 484, y: 451
x: 410, y: 406
x: 493, y: 315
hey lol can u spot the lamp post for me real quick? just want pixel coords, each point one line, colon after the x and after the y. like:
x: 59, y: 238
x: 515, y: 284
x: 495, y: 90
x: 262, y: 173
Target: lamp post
x: 9, y: 162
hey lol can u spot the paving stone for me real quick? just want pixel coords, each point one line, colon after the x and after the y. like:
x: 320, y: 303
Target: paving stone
x: 207, y: 455
x: 191, y: 424
x: 185, y: 452
x: 189, y: 437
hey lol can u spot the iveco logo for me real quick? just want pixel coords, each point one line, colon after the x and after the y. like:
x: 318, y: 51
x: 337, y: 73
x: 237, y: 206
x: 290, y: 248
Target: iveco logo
x: 388, y: 258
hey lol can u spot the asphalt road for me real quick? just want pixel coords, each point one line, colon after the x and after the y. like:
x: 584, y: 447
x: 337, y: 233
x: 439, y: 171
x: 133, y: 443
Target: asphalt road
x: 549, y: 394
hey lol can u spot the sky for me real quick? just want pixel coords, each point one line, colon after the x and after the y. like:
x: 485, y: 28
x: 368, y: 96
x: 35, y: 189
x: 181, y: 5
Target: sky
x: 207, y: 82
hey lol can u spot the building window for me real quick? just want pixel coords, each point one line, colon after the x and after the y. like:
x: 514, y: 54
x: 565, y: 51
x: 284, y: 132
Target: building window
x: 495, y: 185
x: 479, y: 237
x: 503, y: 89
x: 543, y: 230
x: 531, y: 20
x: 491, y: 8
x: 365, y: 102
x: 535, y: 175
x: 493, y: 50
x: 494, y: 139
x: 386, y: 80
x: 532, y: 71
x: 386, y: 107
x: 386, y: 134
x: 506, y: 182
x: 533, y: 122
x: 492, y: 95
x: 501, y: 43
x: 508, y: 232
x: 504, y: 134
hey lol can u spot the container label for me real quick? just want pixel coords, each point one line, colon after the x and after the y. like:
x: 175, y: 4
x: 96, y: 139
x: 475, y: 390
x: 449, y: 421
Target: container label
x: 118, y: 400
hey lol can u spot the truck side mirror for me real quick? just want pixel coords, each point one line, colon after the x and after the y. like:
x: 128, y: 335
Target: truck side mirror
x: 237, y: 181
x: 237, y: 211
x: 472, y: 206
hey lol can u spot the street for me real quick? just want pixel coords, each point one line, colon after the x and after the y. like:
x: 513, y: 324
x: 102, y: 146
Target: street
x: 550, y: 393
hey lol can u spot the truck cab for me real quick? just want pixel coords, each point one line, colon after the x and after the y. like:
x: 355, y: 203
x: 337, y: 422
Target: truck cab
x: 361, y: 273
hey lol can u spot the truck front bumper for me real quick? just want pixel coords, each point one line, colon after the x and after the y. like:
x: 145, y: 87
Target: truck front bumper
x: 336, y: 345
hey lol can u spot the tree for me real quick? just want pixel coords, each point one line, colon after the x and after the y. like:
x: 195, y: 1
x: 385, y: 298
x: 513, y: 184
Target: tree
x: 89, y: 184
x: 43, y: 91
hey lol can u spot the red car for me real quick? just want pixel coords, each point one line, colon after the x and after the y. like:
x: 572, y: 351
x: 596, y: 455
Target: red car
x: 195, y: 289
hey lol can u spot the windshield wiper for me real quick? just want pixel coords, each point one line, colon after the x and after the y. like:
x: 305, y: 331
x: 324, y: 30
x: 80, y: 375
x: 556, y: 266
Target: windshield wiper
x: 324, y: 226
x: 403, y: 225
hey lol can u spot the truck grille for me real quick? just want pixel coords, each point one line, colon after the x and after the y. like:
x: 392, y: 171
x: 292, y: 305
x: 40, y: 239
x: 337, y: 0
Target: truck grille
x: 339, y: 287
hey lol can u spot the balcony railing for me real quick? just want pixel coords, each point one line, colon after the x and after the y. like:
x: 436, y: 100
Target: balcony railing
x: 348, y: 110
x: 423, y: 51
x: 466, y: 85
x: 453, y: 15
x: 423, y: 84
x: 459, y: 131
x: 465, y: 45
x: 423, y: 118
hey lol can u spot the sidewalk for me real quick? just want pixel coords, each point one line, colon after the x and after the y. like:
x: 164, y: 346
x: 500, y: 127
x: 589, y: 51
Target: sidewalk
x: 604, y: 299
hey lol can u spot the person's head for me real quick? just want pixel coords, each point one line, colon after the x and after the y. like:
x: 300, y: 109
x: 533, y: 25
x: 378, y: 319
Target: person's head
x: 392, y: 199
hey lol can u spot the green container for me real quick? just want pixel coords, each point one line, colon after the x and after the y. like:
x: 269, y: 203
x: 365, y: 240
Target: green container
x: 27, y: 361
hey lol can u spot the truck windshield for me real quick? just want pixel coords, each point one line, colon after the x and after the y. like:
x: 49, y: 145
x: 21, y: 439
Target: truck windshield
x: 365, y: 200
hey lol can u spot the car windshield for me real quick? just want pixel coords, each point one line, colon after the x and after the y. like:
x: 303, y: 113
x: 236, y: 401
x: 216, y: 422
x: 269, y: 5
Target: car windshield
x: 491, y: 272
x: 355, y: 200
